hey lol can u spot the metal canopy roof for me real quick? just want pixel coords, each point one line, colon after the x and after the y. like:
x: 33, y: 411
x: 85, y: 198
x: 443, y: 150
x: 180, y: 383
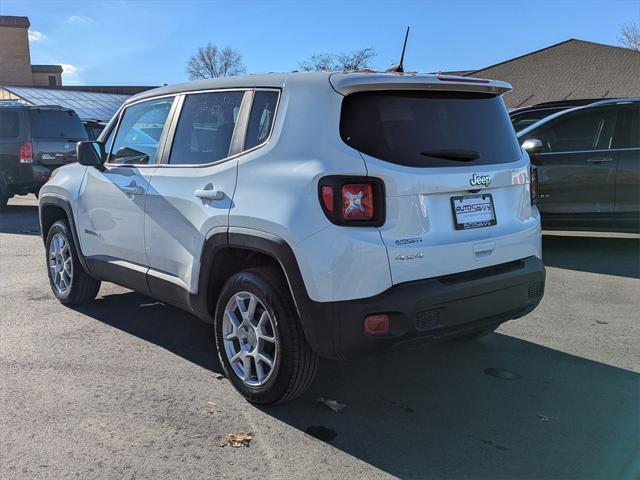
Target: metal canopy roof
x: 88, y: 105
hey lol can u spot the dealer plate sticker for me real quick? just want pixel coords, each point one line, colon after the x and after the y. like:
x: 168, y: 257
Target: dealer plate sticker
x: 473, y: 211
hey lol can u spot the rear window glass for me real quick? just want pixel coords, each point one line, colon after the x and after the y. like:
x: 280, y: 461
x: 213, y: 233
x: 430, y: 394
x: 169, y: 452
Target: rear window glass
x: 63, y: 124
x: 429, y: 129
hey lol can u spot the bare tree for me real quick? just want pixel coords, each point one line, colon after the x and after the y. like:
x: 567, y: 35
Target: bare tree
x: 630, y: 36
x: 319, y: 62
x: 211, y: 62
x: 356, y: 60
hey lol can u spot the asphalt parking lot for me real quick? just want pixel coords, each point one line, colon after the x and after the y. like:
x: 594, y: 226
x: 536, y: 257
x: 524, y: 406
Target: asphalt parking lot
x: 127, y: 387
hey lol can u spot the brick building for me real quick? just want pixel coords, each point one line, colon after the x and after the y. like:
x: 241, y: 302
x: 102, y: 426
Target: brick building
x: 15, y: 57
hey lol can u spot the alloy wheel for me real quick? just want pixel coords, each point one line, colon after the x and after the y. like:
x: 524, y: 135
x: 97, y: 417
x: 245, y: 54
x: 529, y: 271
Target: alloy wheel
x: 250, y: 340
x: 60, y: 264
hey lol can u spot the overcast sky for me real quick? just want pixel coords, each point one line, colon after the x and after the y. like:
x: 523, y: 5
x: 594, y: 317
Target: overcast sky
x: 148, y: 42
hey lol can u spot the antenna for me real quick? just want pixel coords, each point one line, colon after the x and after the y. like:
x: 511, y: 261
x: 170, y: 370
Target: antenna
x: 399, y: 67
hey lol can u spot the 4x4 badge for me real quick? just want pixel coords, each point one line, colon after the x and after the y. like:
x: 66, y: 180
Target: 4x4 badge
x: 477, y: 180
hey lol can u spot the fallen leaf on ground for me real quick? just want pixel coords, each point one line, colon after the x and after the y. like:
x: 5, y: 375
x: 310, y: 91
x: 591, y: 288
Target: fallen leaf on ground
x: 332, y: 404
x: 237, y: 440
x: 218, y: 376
x: 211, y: 403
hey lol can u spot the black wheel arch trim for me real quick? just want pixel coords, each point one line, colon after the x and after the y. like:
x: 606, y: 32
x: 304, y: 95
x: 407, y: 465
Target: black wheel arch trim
x: 59, y: 202
x: 261, y: 242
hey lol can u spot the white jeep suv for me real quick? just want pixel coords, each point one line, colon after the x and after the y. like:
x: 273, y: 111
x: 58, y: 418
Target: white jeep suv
x: 305, y: 215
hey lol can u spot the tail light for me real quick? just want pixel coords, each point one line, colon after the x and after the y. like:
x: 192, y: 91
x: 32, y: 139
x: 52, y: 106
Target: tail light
x: 352, y: 201
x: 533, y: 187
x: 26, y: 152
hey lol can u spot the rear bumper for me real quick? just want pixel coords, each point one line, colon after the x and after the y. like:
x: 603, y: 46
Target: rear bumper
x: 426, y: 310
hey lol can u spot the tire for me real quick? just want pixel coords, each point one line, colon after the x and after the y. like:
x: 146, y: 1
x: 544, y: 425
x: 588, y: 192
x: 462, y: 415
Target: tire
x: 4, y: 194
x: 294, y: 362
x: 81, y: 287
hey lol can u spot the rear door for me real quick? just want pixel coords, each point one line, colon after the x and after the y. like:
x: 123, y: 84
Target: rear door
x: 577, y: 169
x: 192, y: 190
x: 456, y: 180
x: 54, y: 134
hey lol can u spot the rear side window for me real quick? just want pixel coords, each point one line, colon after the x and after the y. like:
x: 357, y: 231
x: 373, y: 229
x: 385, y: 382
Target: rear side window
x: 627, y: 134
x: 585, y: 130
x: 205, y: 127
x: 8, y: 124
x: 429, y: 129
x: 58, y: 124
x: 261, y: 118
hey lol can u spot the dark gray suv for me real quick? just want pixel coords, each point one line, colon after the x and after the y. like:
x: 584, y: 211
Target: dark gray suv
x: 34, y: 140
x: 588, y: 163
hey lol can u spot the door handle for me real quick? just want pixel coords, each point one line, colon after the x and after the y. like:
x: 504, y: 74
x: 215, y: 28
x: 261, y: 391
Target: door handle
x: 600, y: 160
x: 209, y: 194
x: 133, y: 190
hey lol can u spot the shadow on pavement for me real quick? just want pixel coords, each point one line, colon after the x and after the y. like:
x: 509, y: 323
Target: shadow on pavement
x: 20, y: 219
x: 153, y: 321
x: 435, y: 412
x: 610, y: 256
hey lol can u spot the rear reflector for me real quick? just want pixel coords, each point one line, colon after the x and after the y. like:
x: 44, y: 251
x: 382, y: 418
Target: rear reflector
x: 357, y: 201
x: 377, y: 324
x: 26, y: 152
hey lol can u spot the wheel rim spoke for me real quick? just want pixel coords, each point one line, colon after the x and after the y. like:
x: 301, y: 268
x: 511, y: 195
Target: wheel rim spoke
x: 60, y: 264
x: 249, y: 338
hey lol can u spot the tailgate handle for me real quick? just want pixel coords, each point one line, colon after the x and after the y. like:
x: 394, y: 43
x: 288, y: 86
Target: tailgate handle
x: 484, y: 249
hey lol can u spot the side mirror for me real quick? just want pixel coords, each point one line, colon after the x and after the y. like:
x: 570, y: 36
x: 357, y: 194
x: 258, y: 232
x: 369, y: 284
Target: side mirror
x: 91, y: 153
x: 533, y: 145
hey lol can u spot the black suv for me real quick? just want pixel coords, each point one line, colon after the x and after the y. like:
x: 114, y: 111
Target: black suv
x: 588, y: 163
x: 34, y: 140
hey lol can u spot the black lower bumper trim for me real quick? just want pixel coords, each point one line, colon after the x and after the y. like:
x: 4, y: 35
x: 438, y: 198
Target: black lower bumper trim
x: 424, y: 310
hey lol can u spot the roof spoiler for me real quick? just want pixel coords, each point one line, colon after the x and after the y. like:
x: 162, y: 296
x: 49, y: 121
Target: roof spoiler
x: 346, y: 83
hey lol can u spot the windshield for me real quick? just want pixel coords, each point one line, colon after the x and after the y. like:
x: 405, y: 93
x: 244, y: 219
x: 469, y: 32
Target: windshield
x: 429, y: 129
x: 62, y: 124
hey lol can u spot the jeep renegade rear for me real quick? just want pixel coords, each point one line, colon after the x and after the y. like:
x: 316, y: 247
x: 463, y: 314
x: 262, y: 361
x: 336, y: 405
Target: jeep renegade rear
x: 306, y: 214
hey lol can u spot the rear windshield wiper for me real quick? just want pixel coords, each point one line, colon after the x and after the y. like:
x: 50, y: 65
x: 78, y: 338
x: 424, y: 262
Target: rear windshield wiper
x: 452, y: 154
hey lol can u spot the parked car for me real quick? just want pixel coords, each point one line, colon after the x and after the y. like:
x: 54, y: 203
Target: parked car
x: 33, y: 142
x: 94, y: 128
x: 526, y: 116
x: 588, y: 162
x: 305, y: 215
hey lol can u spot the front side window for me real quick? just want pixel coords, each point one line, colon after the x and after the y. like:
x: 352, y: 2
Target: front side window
x: 205, y: 128
x: 139, y: 132
x: 586, y: 130
x: 8, y: 124
x: 261, y: 118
